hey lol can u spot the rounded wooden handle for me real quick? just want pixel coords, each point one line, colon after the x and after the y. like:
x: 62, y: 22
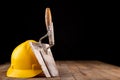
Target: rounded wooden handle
x: 48, y: 17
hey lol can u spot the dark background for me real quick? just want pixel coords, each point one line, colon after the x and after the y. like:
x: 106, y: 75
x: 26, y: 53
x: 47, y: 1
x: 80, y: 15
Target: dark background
x: 80, y: 33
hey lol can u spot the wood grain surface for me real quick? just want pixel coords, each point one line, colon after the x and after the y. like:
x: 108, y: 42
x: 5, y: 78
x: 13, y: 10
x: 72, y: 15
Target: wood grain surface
x: 75, y: 70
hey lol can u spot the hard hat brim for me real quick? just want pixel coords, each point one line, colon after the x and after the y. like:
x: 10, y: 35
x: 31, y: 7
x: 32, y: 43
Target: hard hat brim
x: 22, y: 73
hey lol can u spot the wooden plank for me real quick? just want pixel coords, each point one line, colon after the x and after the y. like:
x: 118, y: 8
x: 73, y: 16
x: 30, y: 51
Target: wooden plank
x: 107, y: 70
x: 3, y: 69
x: 64, y: 71
x: 75, y: 70
x: 96, y: 73
x: 106, y: 76
x: 39, y: 78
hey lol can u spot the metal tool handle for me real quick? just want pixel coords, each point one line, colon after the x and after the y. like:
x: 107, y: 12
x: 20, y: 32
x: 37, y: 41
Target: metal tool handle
x: 49, y: 26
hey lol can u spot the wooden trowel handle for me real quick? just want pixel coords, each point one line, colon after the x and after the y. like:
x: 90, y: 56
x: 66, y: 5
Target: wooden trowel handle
x: 48, y: 18
x: 49, y: 25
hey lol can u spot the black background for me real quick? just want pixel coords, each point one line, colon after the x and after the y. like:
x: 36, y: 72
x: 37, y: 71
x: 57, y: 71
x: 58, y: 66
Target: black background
x: 81, y: 32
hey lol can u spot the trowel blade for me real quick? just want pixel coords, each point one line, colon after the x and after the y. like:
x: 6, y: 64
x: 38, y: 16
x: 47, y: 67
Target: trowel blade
x: 49, y: 60
x: 45, y: 59
x: 39, y: 57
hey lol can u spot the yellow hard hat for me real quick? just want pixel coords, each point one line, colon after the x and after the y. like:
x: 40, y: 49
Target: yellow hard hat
x: 23, y: 62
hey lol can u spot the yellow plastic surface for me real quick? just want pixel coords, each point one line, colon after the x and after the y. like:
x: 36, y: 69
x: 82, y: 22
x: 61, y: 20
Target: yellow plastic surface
x: 23, y: 62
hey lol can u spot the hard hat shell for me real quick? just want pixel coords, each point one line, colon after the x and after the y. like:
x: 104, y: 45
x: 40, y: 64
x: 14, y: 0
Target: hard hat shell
x: 23, y: 62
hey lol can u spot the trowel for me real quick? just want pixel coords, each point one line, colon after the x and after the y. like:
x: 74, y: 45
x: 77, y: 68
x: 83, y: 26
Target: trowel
x: 42, y: 51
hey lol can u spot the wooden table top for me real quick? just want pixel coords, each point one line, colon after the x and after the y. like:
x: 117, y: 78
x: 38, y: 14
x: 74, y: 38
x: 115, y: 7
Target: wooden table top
x: 75, y: 70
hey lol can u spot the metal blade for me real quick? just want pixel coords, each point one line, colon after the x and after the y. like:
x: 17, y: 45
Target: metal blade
x: 38, y: 54
x: 45, y: 59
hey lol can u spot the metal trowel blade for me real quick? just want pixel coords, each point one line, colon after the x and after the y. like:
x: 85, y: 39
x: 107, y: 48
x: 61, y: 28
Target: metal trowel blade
x: 45, y: 59
x: 36, y: 50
